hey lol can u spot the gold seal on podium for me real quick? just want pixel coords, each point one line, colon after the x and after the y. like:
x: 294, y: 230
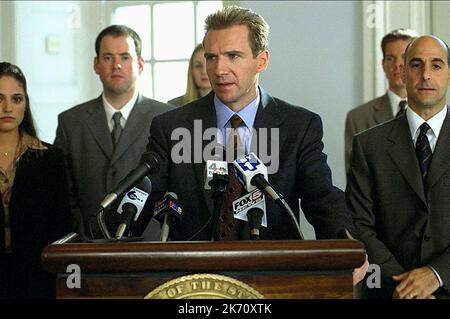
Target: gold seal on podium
x: 204, y: 286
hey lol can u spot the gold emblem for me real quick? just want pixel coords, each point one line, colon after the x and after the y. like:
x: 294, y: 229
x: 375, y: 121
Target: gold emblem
x: 204, y: 286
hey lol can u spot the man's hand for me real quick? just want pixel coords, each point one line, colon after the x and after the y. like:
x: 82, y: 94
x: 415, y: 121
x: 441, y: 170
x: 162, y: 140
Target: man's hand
x: 359, y: 273
x: 419, y: 283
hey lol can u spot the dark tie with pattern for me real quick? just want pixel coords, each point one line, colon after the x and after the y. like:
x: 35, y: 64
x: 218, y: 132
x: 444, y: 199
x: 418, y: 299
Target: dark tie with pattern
x: 401, y: 108
x: 227, y: 227
x: 117, y: 129
x: 423, y: 150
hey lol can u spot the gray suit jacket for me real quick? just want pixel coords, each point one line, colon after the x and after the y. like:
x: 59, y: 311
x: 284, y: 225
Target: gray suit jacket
x: 84, y: 137
x: 402, y: 227
x: 365, y: 116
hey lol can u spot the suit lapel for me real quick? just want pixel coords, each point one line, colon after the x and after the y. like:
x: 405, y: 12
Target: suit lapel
x: 403, y: 154
x: 133, y: 128
x: 440, y: 162
x: 267, y: 117
x: 98, y: 127
x: 206, y: 113
x: 383, y: 110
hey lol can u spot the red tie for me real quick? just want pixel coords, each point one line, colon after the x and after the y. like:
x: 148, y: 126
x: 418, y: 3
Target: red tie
x: 227, y: 228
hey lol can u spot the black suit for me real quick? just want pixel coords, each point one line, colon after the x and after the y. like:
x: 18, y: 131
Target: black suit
x: 402, y: 227
x: 303, y: 171
x: 39, y: 214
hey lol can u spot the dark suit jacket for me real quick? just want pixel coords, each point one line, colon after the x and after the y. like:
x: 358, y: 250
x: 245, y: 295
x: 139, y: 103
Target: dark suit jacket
x: 303, y: 171
x: 365, y: 116
x: 39, y: 215
x: 84, y: 137
x: 402, y: 227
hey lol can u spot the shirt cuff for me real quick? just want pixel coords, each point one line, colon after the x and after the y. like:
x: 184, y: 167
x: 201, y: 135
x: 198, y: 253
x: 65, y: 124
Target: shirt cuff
x: 441, y: 283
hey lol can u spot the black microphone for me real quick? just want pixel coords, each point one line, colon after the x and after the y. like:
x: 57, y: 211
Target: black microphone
x: 252, y: 173
x: 165, y: 211
x: 128, y: 211
x: 132, y: 204
x: 254, y: 216
x: 245, y: 206
x: 149, y: 164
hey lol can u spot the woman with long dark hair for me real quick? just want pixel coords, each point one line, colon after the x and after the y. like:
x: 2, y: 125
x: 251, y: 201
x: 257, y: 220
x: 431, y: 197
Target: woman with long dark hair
x: 35, y: 207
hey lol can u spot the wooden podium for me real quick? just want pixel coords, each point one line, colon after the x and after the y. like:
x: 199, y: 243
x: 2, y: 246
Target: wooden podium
x: 234, y: 269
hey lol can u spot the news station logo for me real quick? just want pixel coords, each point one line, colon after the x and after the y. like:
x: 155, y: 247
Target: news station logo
x: 173, y: 205
x: 248, y: 163
x: 247, y: 201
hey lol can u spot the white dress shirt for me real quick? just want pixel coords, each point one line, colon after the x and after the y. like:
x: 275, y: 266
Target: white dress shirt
x: 125, y: 110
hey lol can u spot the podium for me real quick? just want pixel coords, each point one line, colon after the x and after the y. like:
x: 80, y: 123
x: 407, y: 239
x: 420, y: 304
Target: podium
x: 225, y: 269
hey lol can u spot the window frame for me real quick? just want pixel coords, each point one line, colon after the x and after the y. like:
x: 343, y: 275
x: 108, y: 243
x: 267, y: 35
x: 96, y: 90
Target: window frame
x: 113, y: 5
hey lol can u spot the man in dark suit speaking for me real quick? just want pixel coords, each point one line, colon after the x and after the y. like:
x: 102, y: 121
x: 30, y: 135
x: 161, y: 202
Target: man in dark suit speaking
x: 236, y: 53
x: 398, y: 182
x: 103, y: 139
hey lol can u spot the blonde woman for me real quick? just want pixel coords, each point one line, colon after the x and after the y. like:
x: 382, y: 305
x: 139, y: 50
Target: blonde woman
x: 198, y: 82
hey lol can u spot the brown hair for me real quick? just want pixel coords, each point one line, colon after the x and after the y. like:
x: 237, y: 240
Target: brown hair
x: 12, y: 70
x: 233, y: 15
x: 117, y: 31
x: 395, y: 35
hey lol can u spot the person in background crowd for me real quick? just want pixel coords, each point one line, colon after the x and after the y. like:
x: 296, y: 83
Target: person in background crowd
x: 35, y: 208
x: 398, y: 181
x: 392, y: 103
x: 197, y: 82
x: 103, y: 139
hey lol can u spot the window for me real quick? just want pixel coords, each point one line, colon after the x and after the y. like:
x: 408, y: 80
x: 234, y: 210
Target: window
x: 169, y: 32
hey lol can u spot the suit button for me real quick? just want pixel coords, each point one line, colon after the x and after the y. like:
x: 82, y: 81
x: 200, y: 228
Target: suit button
x: 426, y: 238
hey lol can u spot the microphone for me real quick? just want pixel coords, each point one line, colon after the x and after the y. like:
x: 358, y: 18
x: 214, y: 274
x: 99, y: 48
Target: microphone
x: 252, y: 208
x: 254, y: 199
x: 252, y: 173
x: 216, y: 179
x: 132, y: 204
x: 254, y: 221
x: 214, y: 167
x: 149, y: 164
x: 129, y: 210
x: 165, y: 211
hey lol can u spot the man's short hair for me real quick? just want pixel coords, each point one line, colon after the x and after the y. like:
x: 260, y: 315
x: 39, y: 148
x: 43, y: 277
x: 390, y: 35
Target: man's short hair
x: 118, y: 31
x: 397, y: 34
x: 234, y: 15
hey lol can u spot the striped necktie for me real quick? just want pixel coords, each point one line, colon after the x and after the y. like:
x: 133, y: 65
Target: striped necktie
x: 227, y: 227
x: 423, y: 150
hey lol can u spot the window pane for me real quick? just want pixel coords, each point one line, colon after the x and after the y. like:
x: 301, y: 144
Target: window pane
x: 204, y: 8
x: 174, y: 30
x: 139, y: 19
x: 170, y: 80
x: 145, y: 81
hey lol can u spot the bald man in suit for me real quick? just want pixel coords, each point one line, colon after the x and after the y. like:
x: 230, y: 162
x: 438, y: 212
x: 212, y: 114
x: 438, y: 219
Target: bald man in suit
x: 398, y: 183
x: 100, y: 150
x: 382, y: 108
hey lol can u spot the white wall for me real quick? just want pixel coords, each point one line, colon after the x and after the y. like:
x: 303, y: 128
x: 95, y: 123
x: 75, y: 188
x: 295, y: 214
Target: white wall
x: 316, y: 57
x: 55, y: 48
